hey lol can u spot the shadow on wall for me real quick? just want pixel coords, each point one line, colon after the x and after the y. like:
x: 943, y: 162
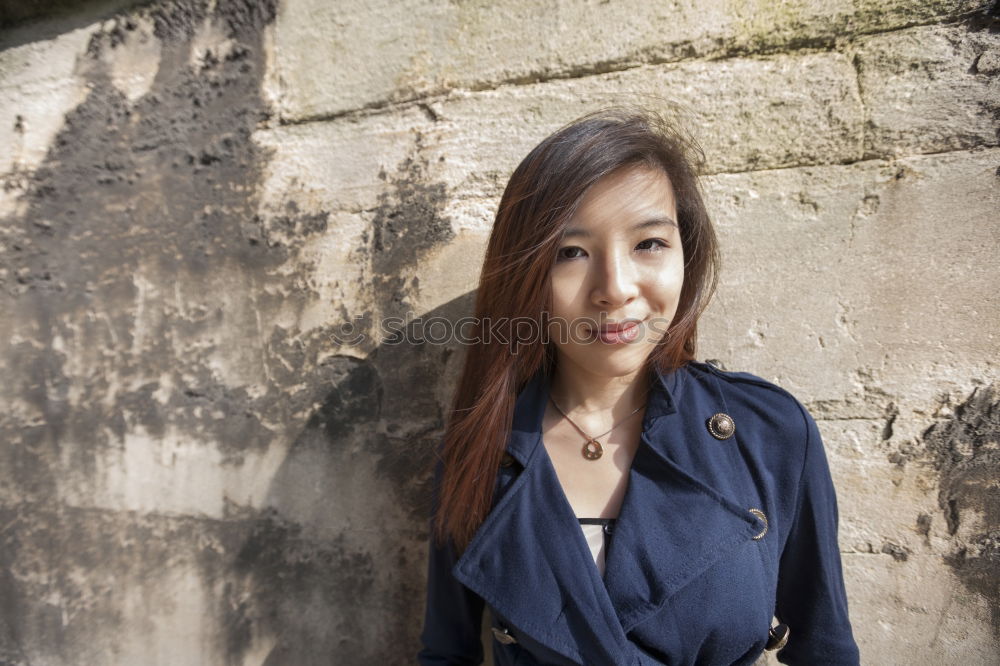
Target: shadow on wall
x: 141, y: 258
x: 363, y: 585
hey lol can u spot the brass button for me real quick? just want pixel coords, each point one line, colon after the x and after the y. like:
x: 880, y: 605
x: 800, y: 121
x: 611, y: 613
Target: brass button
x: 507, y: 460
x: 777, y: 636
x: 760, y: 514
x: 721, y: 426
x: 503, y: 635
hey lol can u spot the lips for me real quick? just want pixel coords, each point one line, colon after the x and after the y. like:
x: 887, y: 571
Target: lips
x: 619, y: 333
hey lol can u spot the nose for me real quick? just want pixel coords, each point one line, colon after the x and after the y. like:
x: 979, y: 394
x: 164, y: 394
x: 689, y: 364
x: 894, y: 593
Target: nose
x: 615, y: 282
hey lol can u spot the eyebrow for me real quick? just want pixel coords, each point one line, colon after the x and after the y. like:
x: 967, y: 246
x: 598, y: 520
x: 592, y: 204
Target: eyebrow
x: 646, y: 224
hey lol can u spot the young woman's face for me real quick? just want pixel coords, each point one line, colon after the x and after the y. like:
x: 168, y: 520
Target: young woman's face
x: 618, y: 273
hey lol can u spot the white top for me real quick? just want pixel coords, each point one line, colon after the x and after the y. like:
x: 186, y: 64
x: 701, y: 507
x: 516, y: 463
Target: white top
x: 597, y: 535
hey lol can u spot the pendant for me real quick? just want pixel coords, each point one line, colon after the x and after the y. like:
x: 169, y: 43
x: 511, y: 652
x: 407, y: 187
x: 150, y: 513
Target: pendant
x: 592, y: 450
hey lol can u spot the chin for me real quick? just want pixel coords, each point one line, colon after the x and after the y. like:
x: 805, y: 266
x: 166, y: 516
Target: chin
x: 614, y: 365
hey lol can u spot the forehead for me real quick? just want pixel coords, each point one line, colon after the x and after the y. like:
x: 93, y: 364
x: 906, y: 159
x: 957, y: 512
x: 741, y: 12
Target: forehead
x: 625, y: 195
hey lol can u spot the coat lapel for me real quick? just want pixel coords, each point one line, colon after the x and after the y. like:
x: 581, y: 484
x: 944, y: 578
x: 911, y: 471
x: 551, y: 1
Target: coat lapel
x: 679, y: 515
x: 530, y: 561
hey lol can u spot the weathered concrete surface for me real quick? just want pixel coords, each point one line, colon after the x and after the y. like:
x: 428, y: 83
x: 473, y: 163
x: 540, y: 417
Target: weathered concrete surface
x: 747, y: 113
x: 338, y: 57
x: 185, y: 457
x: 211, y: 451
x: 33, y: 103
x: 907, y: 78
x: 920, y: 231
x: 60, y: 15
x: 83, y: 586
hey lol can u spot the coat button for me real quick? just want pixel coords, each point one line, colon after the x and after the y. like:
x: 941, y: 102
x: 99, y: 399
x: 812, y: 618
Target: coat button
x: 607, y: 528
x: 777, y: 636
x: 507, y: 460
x: 503, y: 635
x: 760, y: 514
x: 721, y: 426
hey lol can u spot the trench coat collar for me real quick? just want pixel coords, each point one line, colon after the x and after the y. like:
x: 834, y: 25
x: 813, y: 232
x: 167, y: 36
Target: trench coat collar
x: 529, y: 410
x: 530, y: 561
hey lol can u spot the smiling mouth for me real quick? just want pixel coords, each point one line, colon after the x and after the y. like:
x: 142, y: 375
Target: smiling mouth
x: 612, y: 334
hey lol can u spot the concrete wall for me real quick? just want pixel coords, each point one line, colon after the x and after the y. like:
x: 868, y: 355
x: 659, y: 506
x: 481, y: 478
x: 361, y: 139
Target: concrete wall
x: 202, y: 203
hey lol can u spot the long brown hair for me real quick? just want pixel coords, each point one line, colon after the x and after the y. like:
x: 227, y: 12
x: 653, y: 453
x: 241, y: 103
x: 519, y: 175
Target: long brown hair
x: 540, y: 198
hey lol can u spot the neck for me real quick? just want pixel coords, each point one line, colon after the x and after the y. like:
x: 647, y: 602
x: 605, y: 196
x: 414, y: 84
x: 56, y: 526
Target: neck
x: 577, y: 390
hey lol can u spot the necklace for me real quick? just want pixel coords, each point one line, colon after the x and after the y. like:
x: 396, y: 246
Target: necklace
x: 592, y: 449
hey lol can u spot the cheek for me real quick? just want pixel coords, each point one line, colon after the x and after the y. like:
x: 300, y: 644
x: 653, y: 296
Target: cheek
x: 563, y: 316
x: 667, y: 284
x: 562, y: 294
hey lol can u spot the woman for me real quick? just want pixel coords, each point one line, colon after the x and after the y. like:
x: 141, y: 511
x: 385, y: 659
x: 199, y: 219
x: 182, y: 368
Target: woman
x: 605, y: 498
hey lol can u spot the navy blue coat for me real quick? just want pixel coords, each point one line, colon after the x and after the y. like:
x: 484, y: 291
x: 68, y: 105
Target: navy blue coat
x: 693, y: 576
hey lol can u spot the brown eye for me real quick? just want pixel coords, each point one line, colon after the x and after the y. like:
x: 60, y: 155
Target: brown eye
x: 570, y: 252
x: 651, y: 245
